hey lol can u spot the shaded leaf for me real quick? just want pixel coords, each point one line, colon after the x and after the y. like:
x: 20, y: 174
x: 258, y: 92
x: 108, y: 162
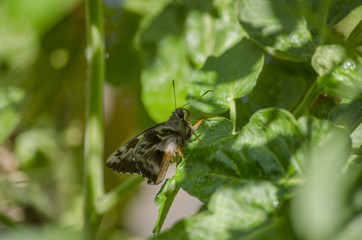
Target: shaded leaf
x: 281, y: 84
x: 278, y: 26
x: 355, y: 38
x: 291, y: 30
x: 336, y: 10
x: 347, y: 115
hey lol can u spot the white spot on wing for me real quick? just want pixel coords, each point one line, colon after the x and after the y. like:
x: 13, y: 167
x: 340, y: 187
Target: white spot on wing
x: 171, y: 146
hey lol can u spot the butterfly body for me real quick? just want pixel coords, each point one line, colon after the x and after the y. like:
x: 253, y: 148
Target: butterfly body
x: 151, y: 152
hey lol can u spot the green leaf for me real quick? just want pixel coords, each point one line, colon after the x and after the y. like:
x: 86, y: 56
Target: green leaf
x: 264, y: 149
x: 211, y: 33
x: 285, y: 82
x: 200, y: 5
x: 164, y: 61
x: 315, y: 132
x: 41, y: 15
x: 231, y: 75
x: 355, y: 38
x: 356, y: 137
x: 157, y: 90
x: 164, y: 199
x: 336, y: 10
x: 291, y: 29
x: 35, y: 148
x: 323, y: 198
x: 347, y: 115
x: 10, y: 100
x: 272, y: 146
x: 232, y: 210
x: 277, y: 26
x: 340, y: 74
x: 352, y: 230
x: 123, y: 69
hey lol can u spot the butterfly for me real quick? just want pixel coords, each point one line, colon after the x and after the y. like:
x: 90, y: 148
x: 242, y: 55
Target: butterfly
x: 151, y: 152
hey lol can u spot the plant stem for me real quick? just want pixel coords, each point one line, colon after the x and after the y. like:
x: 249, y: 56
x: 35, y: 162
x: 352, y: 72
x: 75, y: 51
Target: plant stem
x: 93, y: 155
x: 307, y: 101
x: 233, y: 114
x: 113, y: 197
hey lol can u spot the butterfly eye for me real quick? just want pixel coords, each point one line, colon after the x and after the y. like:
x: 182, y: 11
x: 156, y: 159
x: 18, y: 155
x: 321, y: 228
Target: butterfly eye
x: 180, y: 114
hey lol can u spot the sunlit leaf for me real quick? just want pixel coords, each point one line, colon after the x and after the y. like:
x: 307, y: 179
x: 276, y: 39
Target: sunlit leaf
x: 263, y: 149
x: 164, y: 60
x: 231, y: 75
x: 164, y: 199
x: 340, y: 74
x: 210, y: 34
x: 157, y: 88
x: 232, y: 210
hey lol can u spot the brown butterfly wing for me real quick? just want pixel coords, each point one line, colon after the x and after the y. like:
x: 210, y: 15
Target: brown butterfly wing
x: 121, y: 160
x: 155, y: 152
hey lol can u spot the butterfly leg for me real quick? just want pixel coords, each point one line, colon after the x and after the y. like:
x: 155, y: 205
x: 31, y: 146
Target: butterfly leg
x: 180, y: 152
x: 197, y: 125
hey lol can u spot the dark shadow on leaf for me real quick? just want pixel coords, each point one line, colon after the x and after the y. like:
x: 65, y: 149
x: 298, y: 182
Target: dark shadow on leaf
x: 169, y: 22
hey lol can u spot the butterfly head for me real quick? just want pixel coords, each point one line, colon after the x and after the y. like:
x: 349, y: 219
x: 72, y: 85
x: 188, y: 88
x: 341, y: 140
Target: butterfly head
x: 182, y: 113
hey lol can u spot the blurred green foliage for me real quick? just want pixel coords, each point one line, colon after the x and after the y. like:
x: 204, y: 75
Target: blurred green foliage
x: 266, y: 174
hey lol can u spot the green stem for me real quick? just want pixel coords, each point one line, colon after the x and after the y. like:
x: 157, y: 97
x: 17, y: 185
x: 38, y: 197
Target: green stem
x: 93, y: 155
x: 307, y: 101
x: 113, y: 197
x: 233, y: 114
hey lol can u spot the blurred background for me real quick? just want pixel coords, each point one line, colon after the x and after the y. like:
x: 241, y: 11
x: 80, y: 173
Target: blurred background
x: 42, y: 111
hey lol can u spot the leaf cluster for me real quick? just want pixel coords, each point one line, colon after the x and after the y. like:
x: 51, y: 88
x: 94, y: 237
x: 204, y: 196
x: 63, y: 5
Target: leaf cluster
x: 291, y: 88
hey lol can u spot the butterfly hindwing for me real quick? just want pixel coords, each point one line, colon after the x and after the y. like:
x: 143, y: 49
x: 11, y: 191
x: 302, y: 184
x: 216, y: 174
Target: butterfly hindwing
x: 155, y: 152
x: 121, y: 160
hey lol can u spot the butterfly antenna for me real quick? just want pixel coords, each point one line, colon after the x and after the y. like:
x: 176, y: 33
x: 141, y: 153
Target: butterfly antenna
x: 198, y: 98
x: 174, y: 92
